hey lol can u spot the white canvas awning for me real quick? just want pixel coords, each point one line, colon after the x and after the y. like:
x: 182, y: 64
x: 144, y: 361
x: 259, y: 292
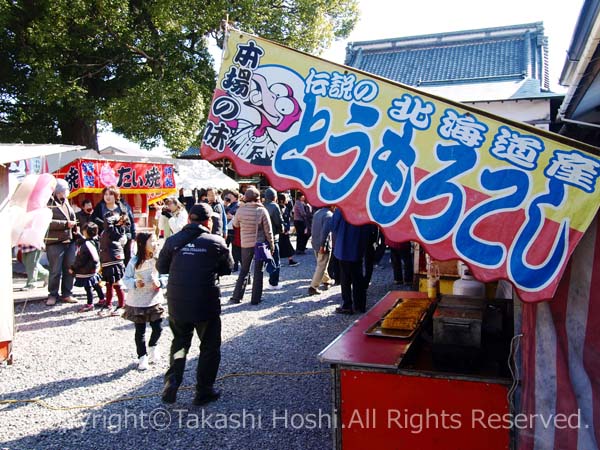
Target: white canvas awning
x: 198, y: 173
x: 18, y: 152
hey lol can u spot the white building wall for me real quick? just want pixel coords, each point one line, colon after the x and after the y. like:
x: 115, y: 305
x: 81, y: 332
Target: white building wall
x: 535, y: 112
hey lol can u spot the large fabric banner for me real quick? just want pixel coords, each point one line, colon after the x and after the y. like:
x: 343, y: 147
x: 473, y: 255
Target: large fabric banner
x: 510, y: 200
x: 91, y: 176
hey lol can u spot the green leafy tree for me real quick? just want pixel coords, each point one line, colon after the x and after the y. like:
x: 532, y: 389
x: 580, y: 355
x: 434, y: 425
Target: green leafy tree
x: 141, y: 66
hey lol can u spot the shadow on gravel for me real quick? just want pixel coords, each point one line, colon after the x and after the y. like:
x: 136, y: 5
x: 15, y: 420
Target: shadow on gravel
x: 64, y: 317
x: 258, y: 411
x: 255, y: 411
x: 40, y: 311
x: 55, y: 388
x: 290, y: 291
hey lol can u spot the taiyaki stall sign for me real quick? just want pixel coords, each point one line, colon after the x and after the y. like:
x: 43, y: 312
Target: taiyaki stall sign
x: 91, y: 176
x: 510, y: 200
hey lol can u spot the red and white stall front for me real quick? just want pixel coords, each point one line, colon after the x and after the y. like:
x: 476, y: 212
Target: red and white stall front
x: 142, y: 181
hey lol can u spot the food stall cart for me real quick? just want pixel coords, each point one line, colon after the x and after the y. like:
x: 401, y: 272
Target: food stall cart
x: 515, y: 203
x: 141, y: 180
x: 390, y: 389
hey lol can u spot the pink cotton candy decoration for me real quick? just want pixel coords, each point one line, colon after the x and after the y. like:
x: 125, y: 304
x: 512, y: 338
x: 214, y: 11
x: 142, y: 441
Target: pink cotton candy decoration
x: 28, y: 212
x: 107, y: 175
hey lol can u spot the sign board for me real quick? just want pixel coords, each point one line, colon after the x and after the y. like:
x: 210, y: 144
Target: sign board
x: 510, y: 200
x: 92, y: 176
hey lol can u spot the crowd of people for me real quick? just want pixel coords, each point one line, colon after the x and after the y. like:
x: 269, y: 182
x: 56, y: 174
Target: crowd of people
x: 217, y: 234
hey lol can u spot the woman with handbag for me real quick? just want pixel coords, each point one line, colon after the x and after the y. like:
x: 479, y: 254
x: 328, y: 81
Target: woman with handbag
x: 254, y: 225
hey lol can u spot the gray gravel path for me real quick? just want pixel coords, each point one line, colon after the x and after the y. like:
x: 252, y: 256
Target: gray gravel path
x: 69, y: 359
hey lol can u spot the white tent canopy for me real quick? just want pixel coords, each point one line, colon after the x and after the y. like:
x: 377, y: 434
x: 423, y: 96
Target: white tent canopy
x: 18, y: 152
x: 198, y: 173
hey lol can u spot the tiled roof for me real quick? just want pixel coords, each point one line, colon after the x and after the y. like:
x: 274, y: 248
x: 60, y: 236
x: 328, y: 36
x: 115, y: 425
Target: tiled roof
x: 191, y: 153
x: 488, y: 55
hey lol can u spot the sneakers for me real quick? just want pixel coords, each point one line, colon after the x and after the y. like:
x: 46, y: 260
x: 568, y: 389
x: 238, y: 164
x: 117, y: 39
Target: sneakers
x: 153, y: 355
x: 86, y: 308
x: 143, y: 362
x: 313, y: 291
x: 202, y: 398
x: 270, y: 287
x: 69, y: 299
x: 51, y: 300
x: 116, y: 312
x: 101, y: 303
x: 293, y: 263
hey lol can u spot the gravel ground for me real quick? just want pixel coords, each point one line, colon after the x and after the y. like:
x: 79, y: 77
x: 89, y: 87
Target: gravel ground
x: 70, y: 360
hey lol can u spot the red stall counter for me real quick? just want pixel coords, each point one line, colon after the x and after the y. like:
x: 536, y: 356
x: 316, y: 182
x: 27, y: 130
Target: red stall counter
x: 379, y: 404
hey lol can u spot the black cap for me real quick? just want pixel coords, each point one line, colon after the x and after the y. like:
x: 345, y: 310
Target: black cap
x: 200, y: 212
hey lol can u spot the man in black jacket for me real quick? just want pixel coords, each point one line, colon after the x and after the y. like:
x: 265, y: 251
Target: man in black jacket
x: 194, y: 259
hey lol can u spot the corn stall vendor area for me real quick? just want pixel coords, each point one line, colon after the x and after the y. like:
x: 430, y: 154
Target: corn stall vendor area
x: 443, y: 368
x: 426, y: 383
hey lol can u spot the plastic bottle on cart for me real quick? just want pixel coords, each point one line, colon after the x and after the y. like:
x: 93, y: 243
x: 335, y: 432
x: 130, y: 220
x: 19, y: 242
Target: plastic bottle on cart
x: 433, y: 278
x: 467, y: 285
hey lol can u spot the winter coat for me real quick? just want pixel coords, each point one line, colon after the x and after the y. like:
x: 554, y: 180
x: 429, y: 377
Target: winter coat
x: 147, y: 295
x: 254, y: 223
x: 302, y: 212
x: 87, y: 260
x: 177, y: 221
x: 349, y: 241
x: 83, y: 219
x: 58, y: 231
x: 276, y: 219
x: 286, y: 214
x: 321, y: 229
x: 219, y: 209
x: 218, y: 226
x: 194, y: 259
x: 112, y: 240
x: 100, y: 211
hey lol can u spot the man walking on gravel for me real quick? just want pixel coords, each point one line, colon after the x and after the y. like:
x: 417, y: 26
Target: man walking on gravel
x: 194, y: 259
